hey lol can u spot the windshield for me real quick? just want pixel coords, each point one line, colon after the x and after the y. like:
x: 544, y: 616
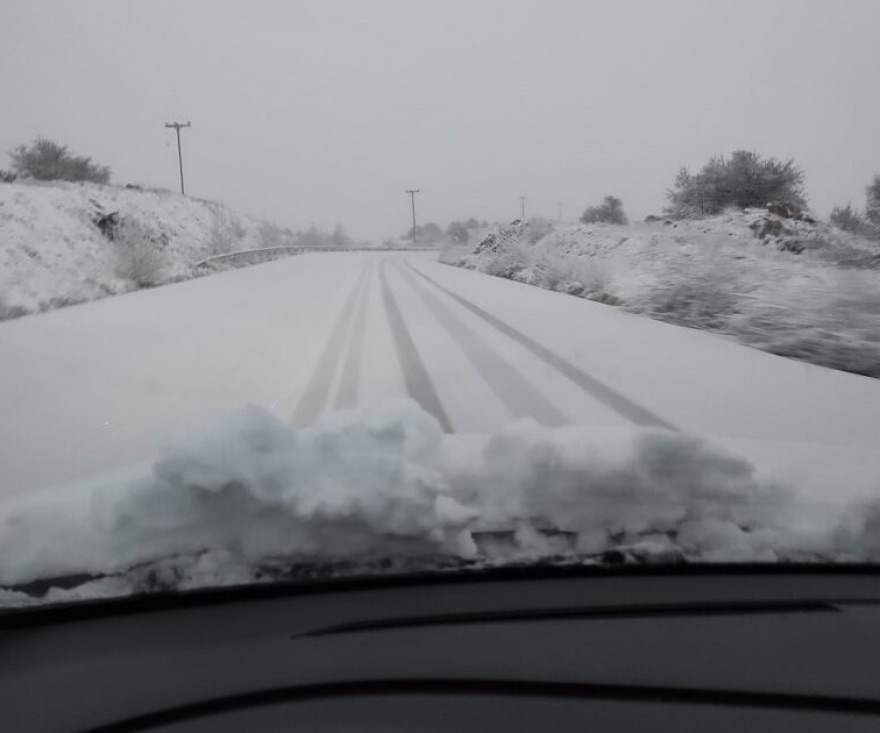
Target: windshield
x: 300, y: 289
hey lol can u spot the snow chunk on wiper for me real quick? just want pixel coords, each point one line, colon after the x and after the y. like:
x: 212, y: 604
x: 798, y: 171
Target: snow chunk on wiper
x: 358, y: 487
x: 246, y: 482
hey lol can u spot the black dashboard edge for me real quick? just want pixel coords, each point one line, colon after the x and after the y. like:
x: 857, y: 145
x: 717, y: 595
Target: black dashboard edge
x: 163, y: 601
x: 395, y: 687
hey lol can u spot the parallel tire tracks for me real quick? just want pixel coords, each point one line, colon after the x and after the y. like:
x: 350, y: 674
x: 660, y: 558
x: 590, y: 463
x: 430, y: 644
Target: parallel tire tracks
x: 346, y: 397
x: 608, y: 396
x: 415, y: 375
x: 314, y: 397
x: 520, y: 397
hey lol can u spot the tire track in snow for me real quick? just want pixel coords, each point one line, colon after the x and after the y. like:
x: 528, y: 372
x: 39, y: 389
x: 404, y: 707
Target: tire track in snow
x: 520, y: 397
x: 351, y: 367
x: 315, y: 395
x: 600, y: 391
x: 415, y: 375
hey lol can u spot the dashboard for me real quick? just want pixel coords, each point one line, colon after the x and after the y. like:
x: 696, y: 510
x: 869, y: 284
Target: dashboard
x: 691, y: 649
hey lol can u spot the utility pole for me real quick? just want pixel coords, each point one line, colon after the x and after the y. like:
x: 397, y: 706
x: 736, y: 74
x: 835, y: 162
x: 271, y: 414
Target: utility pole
x: 177, y: 126
x: 412, y: 194
x: 559, y: 206
x: 522, y: 206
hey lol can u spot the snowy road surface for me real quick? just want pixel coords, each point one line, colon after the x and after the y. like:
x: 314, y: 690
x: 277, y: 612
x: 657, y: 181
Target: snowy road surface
x: 95, y: 387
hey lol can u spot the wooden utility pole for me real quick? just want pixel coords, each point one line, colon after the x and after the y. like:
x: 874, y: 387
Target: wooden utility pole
x: 177, y: 126
x: 412, y: 193
x: 522, y: 206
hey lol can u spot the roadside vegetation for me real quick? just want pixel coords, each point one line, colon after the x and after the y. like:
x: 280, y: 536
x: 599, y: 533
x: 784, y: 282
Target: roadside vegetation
x: 139, y: 254
x: 67, y: 235
x: 610, y: 211
x: 736, y: 251
x: 47, y: 160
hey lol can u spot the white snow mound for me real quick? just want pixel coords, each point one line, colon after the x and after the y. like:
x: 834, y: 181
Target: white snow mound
x: 245, y: 487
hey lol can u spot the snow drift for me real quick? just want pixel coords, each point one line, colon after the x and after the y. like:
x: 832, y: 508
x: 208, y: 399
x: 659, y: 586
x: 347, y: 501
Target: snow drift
x: 57, y: 246
x: 792, y: 287
x: 224, y: 499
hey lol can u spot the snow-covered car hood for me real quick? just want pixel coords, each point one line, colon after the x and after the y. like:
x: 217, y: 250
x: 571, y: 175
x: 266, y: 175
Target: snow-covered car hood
x: 234, y: 499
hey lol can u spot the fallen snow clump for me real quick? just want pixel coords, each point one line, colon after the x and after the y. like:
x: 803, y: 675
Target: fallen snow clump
x: 225, y: 500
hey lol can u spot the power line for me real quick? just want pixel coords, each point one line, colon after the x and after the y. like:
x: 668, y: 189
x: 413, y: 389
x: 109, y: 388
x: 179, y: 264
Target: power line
x: 177, y: 126
x: 412, y: 193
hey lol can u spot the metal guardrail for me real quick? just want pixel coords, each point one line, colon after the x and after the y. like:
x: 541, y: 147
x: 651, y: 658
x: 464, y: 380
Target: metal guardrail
x: 303, y: 250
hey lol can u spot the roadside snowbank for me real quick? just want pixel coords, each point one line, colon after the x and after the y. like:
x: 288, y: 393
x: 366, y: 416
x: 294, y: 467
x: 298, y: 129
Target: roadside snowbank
x: 225, y: 499
x: 55, y: 249
x: 791, y: 287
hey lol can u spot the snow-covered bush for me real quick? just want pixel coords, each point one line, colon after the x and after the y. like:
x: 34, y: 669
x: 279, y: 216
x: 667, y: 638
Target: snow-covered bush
x: 9, y: 311
x: 139, y: 257
x: 225, y: 235
x: 538, y: 228
x: 46, y: 160
x: 506, y: 263
x: 530, y: 252
x: 269, y: 235
x: 872, y: 201
x: 238, y: 229
x: 593, y: 279
x: 458, y: 232
x: 834, y: 323
x: 610, y: 211
x: 695, y: 292
x: 847, y: 218
x: 852, y: 220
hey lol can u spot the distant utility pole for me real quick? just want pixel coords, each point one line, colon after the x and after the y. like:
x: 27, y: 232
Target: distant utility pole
x: 177, y: 126
x: 522, y: 206
x: 412, y: 193
x: 559, y: 206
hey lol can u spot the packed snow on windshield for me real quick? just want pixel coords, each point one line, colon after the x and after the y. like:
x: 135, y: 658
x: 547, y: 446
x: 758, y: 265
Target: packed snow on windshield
x: 227, y: 501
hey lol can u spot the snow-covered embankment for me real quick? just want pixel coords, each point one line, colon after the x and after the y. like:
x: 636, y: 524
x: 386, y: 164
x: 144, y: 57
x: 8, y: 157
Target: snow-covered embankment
x: 786, y: 285
x: 67, y: 243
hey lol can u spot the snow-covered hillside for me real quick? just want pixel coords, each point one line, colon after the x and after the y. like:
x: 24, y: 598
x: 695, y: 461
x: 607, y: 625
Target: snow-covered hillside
x: 787, y: 285
x: 57, y: 243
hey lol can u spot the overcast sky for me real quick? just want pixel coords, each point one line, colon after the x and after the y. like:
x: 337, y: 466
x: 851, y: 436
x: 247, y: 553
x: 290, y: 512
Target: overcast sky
x: 325, y: 111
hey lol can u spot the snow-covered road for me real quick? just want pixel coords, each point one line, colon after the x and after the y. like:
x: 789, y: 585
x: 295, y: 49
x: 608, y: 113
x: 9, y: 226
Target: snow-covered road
x: 95, y: 387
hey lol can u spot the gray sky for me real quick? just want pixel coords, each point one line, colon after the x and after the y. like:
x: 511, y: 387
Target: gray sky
x: 325, y: 111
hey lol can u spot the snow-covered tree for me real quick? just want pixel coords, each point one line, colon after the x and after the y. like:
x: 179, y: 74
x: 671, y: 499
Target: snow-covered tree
x: 339, y: 238
x: 848, y: 219
x: 851, y: 220
x: 609, y: 211
x: 312, y: 237
x: 427, y: 233
x: 744, y: 180
x: 458, y: 232
x: 46, y: 160
x: 872, y: 203
x: 269, y: 235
